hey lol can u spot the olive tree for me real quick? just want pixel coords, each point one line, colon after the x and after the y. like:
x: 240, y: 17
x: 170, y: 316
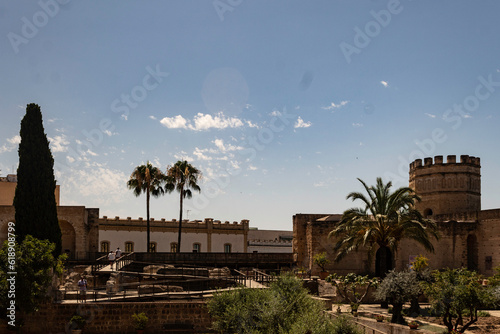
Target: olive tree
x: 398, y: 288
x: 457, y: 295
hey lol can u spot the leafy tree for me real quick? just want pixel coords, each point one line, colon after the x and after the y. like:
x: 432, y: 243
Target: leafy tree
x: 421, y: 267
x: 35, y: 265
x: 385, y: 219
x: 398, y: 288
x: 457, y: 294
x: 283, y: 308
x: 182, y: 177
x: 350, y: 285
x: 321, y: 260
x: 147, y: 179
x: 34, y: 201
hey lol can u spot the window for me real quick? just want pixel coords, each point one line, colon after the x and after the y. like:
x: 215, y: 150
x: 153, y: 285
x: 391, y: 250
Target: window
x: 227, y: 248
x: 173, y: 247
x: 129, y: 247
x: 105, y: 246
x: 196, y: 247
x: 152, y: 247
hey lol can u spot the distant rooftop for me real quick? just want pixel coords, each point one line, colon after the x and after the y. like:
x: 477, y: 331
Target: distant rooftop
x: 9, y: 178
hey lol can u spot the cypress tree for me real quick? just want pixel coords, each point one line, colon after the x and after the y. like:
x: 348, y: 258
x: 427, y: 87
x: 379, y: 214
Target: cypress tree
x: 34, y: 201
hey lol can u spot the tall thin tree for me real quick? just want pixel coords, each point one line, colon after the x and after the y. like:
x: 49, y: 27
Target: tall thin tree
x: 182, y: 177
x: 147, y: 179
x: 34, y: 200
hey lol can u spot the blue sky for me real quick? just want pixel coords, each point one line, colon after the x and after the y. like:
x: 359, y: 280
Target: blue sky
x: 281, y: 104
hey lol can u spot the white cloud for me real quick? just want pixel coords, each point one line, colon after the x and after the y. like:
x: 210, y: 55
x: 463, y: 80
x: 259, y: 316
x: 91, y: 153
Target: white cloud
x: 250, y: 167
x: 183, y: 156
x: 219, y: 143
x: 152, y: 117
x: 14, y: 140
x: 301, y: 124
x: 203, y: 122
x: 97, y: 184
x: 430, y: 115
x: 207, y: 121
x: 11, y: 144
x: 333, y: 105
x: 59, y: 144
x: 177, y: 122
x: 357, y: 125
x: 200, y: 154
x: 384, y: 83
x: 275, y: 113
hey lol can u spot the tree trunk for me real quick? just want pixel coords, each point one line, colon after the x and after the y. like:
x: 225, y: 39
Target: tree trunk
x: 415, y: 306
x: 180, y: 223
x: 147, y: 221
x: 397, y: 316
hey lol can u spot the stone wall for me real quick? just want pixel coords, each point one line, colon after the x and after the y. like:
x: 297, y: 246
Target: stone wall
x: 449, y: 187
x: 78, y: 224
x: 299, y: 243
x: 310, y: 237
x: 116, y: 317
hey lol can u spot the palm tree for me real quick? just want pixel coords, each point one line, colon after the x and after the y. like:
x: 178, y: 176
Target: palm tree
x: 384, y: 221
x: 147, y: 179
x: 182, y: 177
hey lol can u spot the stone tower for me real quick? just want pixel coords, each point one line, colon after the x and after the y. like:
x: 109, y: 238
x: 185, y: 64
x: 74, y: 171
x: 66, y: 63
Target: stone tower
x: 447, y: 188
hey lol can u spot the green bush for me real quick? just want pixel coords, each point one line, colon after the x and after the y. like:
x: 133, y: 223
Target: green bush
x: 283, y: 308
x: 140, y: 320
x: 78, y: 322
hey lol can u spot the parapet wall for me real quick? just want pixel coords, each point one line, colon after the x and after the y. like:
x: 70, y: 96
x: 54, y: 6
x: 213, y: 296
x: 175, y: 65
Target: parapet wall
x: 447, y: 188
x: 117, y: 317
x: 208, y: 223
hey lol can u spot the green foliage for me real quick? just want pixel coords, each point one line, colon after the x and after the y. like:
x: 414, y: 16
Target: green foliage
x: 398, y: 288
x: 457, y: 294
x: 34, y: 201
x: 350, y: 285
x: 321, y: 260
x: 483, y: 314
x: 381, y: 223
x: 35, y: 265
x: 283, y: 308
x: 420, y: 263
x: 140, y: 320
x: 77, y: 322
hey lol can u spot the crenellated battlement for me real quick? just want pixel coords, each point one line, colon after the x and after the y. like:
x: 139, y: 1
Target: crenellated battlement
x: 207, y: 223
x: 447, y: 188
x: 450, y: 160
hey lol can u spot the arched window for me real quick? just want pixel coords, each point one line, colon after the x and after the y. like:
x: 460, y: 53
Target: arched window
x: 105, y: 246
x: 196, y: 247
x: 227, y: 248
x: 427, y: 212
x: 152, y: 247
x: 129, y: 247
x: 173, y: 247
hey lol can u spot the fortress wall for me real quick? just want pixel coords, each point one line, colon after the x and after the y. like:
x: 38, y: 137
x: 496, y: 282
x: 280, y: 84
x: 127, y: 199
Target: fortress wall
x: 449, y: 187
x: 449, y: 252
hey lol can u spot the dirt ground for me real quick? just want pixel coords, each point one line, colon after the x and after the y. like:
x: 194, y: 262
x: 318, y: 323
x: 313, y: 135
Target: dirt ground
x: 484, y: 325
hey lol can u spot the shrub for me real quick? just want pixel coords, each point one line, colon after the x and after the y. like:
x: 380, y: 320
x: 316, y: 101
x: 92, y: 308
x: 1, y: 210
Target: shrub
x: 140, y: 320
x: 321, y: 260
x: 348, y: 287
x: 78, y: 322
x: 283, y: 308
x: 398, y: 288
x: 457, y: 294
